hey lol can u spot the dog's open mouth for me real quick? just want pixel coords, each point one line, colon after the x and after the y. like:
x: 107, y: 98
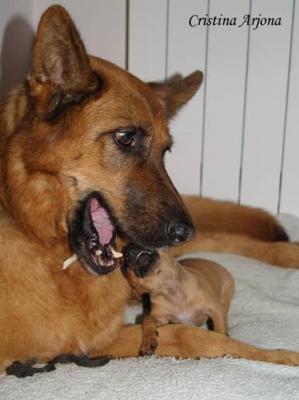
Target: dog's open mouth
x: 92, y: 235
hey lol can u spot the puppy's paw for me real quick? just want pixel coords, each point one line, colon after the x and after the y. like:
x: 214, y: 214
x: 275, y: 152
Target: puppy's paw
x: 148, y: 346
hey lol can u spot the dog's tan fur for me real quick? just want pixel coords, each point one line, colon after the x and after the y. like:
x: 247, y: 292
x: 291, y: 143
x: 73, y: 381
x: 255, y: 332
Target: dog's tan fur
x: 55, y: 146
x: 190, y: 292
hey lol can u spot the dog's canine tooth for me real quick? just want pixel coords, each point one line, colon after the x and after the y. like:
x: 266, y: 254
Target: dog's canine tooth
x: 99, y: 252
x: 115, y: 253
x: 69, y: 261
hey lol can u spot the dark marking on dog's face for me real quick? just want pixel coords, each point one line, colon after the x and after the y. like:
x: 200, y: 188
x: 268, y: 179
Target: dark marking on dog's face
x: 112, y: 143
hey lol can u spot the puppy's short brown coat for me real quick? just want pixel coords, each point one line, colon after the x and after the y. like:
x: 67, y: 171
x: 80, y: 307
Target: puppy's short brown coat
x: 79, y: 132
x: 191, y: 291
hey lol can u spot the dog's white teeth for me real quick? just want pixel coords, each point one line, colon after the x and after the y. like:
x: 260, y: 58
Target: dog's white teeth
x: 69, y: 261
x: 115, y: 253
x: 105, y: 263
x: 99, y: 252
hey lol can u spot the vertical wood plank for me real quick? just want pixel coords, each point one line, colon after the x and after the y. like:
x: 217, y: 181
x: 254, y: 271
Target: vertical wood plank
x: 102, y: 24
x: 267, y: 83
x: 290, y: 183
x: 224, y: 102
x: 186, y: 53
x: 147, y: 38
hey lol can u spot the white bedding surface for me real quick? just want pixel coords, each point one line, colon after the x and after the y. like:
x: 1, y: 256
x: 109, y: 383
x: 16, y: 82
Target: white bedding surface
x: 264, y: 312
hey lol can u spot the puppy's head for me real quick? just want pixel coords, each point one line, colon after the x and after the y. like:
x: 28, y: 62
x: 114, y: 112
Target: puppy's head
x: 95, y: 140
x: 142, y: 261
x: 148, y: 271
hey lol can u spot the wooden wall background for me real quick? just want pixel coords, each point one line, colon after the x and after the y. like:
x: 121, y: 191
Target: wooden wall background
x: 238, y: 139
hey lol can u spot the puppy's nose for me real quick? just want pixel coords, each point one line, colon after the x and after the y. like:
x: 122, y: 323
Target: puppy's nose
x: 136, y: 255
x: 140, y: 259
x: 144, y: 258
x: 145, y: 261
x: 179, y: 232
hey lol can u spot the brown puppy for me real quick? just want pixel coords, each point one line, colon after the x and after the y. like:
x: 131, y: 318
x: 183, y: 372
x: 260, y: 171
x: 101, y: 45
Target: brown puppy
x: 82, y: 171
x: 190, y: 292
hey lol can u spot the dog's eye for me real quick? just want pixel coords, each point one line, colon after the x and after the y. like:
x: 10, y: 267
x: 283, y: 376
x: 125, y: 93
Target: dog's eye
x: 124, y: 138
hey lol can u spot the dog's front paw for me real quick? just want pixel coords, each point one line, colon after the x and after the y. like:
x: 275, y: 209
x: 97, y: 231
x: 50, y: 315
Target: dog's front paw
x: 286, y: 357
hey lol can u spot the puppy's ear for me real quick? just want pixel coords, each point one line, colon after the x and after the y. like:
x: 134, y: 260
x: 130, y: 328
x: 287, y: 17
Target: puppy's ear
x: 60, y: 72
x: 177, y: 91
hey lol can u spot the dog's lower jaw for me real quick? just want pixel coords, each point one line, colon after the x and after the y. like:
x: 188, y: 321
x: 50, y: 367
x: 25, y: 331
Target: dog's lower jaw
x: 96, y: 272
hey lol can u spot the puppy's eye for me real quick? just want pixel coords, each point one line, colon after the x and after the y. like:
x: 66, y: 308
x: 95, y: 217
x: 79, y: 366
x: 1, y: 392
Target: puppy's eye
x: 124, y: 138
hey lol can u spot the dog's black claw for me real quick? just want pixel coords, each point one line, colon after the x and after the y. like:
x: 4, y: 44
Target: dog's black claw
x: 145, y: 353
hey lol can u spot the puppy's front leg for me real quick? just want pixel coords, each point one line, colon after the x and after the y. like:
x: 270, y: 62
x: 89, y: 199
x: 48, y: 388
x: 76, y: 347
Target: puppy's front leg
x: 219, y: 320
x: 149, y: 328
x: 150, y: 336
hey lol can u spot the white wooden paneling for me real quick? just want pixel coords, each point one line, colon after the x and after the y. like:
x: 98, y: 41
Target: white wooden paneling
x: 186, y: 53
x: 267, y: 83
x: 290, y: 177
x: 147, y: 38
x: 234, y: 127
x: 16, y: 39
x: 224, y: 102
x: 102, y: 24
x: 209, y: 130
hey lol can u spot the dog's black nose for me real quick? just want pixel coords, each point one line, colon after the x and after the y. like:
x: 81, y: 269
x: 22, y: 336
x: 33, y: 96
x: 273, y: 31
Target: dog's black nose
x: 179, y: 232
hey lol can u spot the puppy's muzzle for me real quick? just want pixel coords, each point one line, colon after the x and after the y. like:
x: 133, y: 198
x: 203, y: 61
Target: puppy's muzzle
x: 140, y: 259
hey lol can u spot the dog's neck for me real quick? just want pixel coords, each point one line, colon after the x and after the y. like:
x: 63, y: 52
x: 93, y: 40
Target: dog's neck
x: 27, y: 194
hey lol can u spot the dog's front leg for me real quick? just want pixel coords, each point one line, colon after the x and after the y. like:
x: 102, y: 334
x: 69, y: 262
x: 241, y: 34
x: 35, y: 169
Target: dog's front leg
x: 191, y: 342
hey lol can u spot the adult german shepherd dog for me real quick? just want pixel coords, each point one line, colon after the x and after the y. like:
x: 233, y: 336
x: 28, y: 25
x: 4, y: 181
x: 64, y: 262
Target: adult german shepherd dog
x: 81, y: 151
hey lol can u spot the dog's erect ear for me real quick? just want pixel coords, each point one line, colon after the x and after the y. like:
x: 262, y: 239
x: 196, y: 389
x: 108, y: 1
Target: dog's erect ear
x: 60, y: 73
x: 177, y: 91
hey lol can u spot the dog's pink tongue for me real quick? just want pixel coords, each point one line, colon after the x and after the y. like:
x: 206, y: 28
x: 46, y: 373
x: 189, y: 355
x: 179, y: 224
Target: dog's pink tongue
x: 101, y: 221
